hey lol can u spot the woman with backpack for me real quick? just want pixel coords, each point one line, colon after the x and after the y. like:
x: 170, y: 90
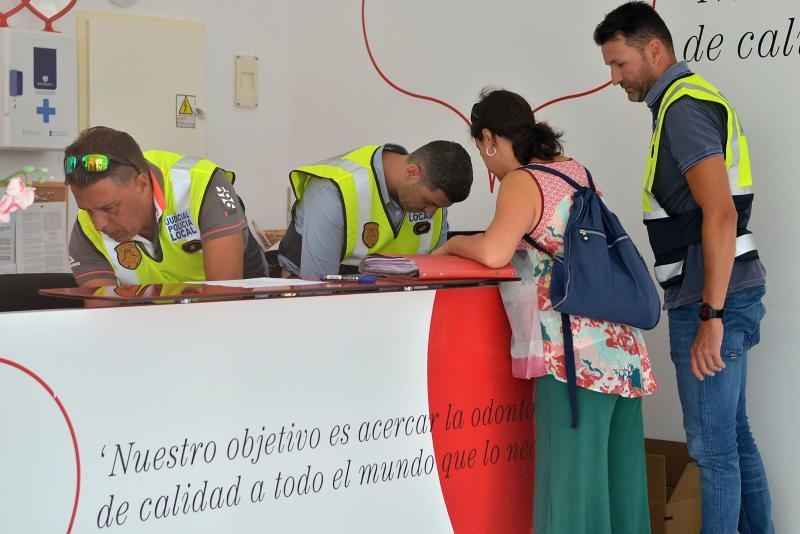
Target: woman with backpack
x: 590, y: 478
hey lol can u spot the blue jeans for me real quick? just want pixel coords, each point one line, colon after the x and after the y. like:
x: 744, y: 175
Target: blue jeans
x: 734, y: 483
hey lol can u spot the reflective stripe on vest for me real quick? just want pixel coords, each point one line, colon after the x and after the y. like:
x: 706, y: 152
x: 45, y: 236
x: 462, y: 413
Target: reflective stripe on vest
x: 184, y: 185
x: 363, y: 206
x: 181, y: 176
x: 367, y: 226
x: 664, y: 273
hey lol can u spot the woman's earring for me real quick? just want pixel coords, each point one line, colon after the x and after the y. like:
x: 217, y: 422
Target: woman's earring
x: 492, y: 153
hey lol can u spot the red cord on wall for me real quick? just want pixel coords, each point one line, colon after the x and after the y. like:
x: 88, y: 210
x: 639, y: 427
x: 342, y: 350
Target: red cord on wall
x: 449, y: 106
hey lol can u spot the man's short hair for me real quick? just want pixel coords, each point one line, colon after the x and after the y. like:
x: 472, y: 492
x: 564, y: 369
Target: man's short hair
x: 445, y: 165
x: 637, y: 22
x: 110, y: 142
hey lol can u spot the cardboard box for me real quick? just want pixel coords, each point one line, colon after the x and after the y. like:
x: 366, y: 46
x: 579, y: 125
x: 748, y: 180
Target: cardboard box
x: 273, y: 237
x: 673, y: 486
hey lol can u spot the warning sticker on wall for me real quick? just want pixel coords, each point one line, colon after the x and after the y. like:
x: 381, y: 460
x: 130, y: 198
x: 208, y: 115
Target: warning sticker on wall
x: 185, y: 114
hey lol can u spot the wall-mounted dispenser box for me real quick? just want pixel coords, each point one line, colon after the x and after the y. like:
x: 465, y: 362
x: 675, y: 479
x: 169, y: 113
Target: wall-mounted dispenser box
x: 38, y: 103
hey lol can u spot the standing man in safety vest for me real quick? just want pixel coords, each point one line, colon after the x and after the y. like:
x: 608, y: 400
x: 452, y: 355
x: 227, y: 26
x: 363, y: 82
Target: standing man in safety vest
x: 377, y: 198
x: 697, y: 203
x: 153, y: 217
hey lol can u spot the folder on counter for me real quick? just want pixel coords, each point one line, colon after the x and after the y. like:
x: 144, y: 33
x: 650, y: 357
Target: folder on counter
x: 425, y: 266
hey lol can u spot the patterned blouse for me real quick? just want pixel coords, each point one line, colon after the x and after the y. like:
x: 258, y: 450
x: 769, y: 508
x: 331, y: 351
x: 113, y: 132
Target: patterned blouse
x: 609, y: 358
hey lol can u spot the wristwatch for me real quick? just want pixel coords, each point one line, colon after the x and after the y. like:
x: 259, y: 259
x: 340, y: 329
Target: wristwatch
x: 707, y: 312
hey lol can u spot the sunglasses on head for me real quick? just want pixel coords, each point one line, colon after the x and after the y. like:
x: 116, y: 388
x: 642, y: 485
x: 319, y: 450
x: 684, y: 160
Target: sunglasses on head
x: 93, y: 162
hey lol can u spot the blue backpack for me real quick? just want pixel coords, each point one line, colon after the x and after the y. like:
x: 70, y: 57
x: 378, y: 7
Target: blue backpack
x: 601, y: 276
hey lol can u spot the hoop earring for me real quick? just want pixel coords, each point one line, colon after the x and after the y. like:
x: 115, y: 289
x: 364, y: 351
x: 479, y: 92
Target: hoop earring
x: 492, y: 153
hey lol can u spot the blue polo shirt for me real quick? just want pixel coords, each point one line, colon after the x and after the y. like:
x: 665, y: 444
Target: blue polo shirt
x: 693, y: 131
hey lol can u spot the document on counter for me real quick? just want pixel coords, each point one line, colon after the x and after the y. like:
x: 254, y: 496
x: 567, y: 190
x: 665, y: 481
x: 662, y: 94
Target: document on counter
x: 41, y: 235
x: 255, y: 283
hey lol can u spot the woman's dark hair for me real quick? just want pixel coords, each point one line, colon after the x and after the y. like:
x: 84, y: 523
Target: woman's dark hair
x: 509, y: 115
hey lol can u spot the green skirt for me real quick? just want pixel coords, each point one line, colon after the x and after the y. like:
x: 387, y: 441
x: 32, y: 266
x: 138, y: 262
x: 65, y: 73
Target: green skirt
x: 591, y: 479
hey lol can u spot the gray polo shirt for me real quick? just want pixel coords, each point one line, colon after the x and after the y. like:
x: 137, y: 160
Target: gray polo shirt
x: 693, y: 131
x: 319, y: 219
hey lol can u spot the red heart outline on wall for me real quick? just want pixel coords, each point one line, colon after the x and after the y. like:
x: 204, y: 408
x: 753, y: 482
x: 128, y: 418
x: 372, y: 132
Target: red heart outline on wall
x: 5, y: 15
x: 48, y: 21
x: 64, y: 413
x: 449, y: 106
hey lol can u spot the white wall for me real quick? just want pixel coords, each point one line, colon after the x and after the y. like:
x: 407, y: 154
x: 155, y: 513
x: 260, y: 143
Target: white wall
x: 321, y: 96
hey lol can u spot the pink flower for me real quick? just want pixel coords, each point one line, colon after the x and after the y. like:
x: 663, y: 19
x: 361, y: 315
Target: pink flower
x: 17, y: 196
x: 20, y: 192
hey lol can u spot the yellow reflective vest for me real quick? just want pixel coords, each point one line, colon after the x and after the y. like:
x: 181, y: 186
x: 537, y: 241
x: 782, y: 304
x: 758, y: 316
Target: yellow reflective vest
x: 368, y: 229
x: 185, y: 183
x: 670, y: 234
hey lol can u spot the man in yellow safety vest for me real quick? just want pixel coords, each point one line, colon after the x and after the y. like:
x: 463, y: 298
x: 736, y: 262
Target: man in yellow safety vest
x: 377, y: 198
x: 697, y: 200
x: 153, y: 217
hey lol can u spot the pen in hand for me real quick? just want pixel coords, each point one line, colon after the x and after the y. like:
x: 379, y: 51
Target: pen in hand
x: 360, y: 278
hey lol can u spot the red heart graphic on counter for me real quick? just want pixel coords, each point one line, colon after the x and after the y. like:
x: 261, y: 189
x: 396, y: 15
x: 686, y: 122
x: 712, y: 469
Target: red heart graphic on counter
x: 469, y: 369
x: 52, y: 394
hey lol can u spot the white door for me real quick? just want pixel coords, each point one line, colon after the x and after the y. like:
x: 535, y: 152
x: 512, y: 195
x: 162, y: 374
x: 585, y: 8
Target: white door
x: 148, y: 77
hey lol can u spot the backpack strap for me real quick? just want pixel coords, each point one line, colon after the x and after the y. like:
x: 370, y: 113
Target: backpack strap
x: 569, y: 350
x: 569, y: 364
x: 566, y: 327
x: 570, y: 181
x: 575, y: 185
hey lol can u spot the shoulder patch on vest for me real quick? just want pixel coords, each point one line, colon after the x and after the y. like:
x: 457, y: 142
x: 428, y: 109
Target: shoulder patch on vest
x: 422, y: 227
x: 192, y: 246
x: 128, y: 255
x: 370, y: 234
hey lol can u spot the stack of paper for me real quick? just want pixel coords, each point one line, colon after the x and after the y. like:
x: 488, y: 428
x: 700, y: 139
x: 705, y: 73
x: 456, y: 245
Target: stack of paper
x: 389, y: 266
x: 425, y: 266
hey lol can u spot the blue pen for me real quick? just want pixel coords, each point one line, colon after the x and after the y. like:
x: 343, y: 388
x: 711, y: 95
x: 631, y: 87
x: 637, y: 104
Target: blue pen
x: 360, y: 278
